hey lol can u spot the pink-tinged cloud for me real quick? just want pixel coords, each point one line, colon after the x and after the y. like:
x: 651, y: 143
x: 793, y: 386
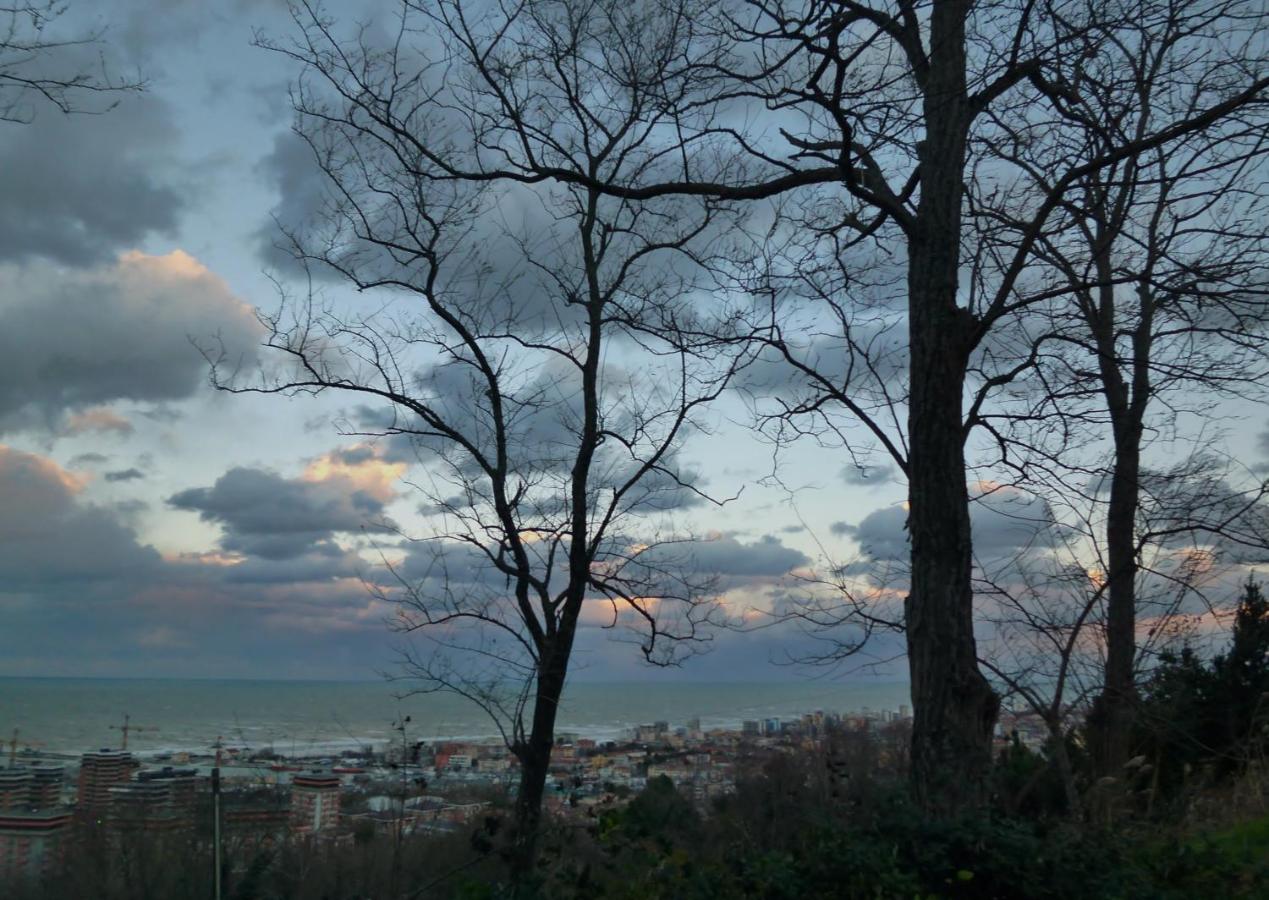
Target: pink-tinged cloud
x: 98, y: 419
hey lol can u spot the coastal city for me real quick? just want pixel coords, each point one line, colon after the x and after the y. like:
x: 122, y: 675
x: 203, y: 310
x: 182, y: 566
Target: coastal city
x: 49, y: 801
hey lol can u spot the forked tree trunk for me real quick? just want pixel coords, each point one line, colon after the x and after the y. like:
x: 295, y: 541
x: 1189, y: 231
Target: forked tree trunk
x: 1112, y: 718
x: 954, y: 706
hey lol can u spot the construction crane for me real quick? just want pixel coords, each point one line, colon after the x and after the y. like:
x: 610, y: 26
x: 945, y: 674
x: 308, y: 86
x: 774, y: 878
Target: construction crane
x: 13, y: 747
x: 127, y: 727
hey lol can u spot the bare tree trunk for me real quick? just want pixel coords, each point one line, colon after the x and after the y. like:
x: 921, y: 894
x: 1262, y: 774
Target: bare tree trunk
x: 1126, y: 404
x: 1115, y: 705
x: 1066, y: 770
x: 534, y: 755
x: 955, y: 708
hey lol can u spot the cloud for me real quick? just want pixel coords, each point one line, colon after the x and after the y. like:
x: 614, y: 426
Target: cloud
x: 48, y: 537
x: 99, y: 419
x: 291, y: 169
x: 868, y: 475
x: 81, y: 594
x: 873, y: 358
x: 365, y: 466
x: 72, y: 340
x: 78, y: 189
x: 543, y: 415
x: 125, y: 475
x: 724, y: 555
x: 1004, y: 521
x: 88, y: 459
x: 265, y: 514
x: 883, y: 534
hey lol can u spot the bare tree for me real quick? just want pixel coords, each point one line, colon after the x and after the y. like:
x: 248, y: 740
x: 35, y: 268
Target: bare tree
x: 1045, y: 607
x: 1165, y: 256
x: 909, y: 108
x: 539, y: 348
x: 42, y: 63
x: 869, y: 111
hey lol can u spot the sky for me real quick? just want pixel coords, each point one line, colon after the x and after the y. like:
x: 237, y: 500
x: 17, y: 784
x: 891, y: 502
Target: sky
x: 152, y: 526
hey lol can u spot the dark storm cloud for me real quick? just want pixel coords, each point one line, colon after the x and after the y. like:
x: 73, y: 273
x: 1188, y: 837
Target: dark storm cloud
x: 1199, y: 507
x: 674, y: 487
x: 132, y: 326
x: 125, y: 475
x: 544, y: 416
x: 448, y: 563
x: 264, y: 514
x: 79, y: 189
x: 79, y: 594
x: 767, y: 556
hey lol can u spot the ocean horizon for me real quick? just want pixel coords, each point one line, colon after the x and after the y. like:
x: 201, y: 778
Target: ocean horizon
x: 67, y: 715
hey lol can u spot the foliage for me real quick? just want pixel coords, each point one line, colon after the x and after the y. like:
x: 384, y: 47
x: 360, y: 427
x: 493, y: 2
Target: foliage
x: 1028, y: 783
x: 885, y: 849
x: 1201, y: 718
x: 781, y: 835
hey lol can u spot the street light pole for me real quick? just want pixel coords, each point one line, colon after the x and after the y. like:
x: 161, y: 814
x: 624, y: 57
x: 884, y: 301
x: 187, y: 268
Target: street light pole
x: 215, y: 787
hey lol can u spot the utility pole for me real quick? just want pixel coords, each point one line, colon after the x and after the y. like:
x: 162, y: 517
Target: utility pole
x: 215, y: 790
x: 400, y: 829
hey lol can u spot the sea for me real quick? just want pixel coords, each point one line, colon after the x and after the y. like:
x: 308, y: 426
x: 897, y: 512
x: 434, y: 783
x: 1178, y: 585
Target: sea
x: 307, y: 718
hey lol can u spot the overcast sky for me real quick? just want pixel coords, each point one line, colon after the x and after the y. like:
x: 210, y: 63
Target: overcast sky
x: 150, y: 526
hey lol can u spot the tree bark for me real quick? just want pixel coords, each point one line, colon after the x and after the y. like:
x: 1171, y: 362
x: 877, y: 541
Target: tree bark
x: 534, y: 754
x: 1115, y: 705
x: 955, y: 708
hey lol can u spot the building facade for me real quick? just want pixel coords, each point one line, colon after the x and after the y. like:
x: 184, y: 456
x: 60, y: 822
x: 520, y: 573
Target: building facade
x: 99, y: 771
x: 314, y: 802
x: 34, y: 827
